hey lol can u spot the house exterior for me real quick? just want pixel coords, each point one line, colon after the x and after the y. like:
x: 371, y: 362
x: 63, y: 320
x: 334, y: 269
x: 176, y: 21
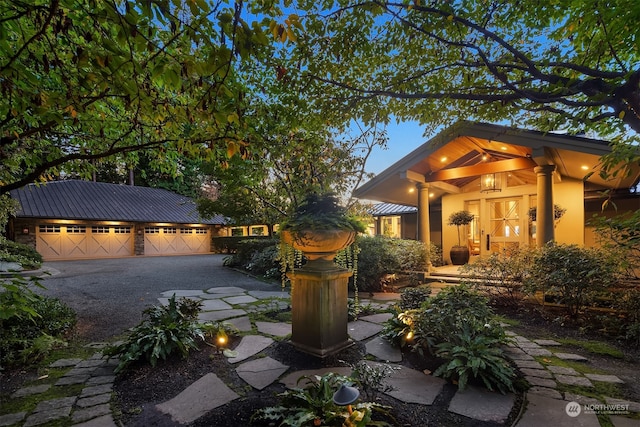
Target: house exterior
x: 501, y: 175
x: 75, y: 219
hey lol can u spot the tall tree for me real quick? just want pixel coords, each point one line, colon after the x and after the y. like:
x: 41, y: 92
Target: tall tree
x: 268, y: 185
x: 85, y: 79
x: 548, y: 64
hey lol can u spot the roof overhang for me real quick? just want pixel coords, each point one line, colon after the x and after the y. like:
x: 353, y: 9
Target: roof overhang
x: 454, y: 160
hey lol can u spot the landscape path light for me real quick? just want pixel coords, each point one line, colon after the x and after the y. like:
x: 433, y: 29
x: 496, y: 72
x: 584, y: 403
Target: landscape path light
x: 345, y: 396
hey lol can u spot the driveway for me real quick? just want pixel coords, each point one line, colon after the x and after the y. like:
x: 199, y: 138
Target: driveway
x: 109, y: 295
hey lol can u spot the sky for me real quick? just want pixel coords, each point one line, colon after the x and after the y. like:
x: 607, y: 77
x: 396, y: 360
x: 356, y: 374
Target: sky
x: 403, y: 138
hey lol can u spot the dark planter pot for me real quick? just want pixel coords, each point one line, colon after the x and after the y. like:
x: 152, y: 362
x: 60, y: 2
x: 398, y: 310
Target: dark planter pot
x: 459, y: 255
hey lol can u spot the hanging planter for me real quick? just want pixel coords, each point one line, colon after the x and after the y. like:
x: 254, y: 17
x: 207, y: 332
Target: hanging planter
x: 558, y: 212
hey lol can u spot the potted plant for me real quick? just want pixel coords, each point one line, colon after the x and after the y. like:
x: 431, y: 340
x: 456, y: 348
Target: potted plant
x: 460, y: 253
x: 320, y: 227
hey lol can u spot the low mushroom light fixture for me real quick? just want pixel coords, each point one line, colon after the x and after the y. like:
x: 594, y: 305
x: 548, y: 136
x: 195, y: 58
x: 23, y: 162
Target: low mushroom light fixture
x: 345, y: 396
x: 221, y: 339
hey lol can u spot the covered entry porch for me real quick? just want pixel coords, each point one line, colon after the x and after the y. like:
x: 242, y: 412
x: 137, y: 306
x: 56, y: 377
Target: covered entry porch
x: 501, y: 175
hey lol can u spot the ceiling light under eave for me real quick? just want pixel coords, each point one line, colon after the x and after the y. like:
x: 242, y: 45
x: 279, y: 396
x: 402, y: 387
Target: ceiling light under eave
x: 584, y: 167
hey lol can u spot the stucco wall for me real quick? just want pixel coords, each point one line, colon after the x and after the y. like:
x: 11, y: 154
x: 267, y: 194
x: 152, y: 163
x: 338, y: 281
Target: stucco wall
x: 568, y: 194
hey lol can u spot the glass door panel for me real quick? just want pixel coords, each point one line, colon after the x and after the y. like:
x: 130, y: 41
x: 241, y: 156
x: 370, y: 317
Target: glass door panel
x: 504, y: 225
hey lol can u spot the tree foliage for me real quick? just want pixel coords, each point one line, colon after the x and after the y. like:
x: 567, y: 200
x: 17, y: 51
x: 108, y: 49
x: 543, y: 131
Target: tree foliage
x: 83, y: 79
x: 550, y: 64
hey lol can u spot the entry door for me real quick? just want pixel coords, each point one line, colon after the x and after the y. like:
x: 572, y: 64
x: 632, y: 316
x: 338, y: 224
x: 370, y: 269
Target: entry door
x: 505, y: 227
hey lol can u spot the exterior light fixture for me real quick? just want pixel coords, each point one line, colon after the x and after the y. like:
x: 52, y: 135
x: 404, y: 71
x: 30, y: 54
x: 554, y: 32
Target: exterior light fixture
x: 345, y: 396
x: 221, y: 339
x: 490, y: 182
x: 25, y: 230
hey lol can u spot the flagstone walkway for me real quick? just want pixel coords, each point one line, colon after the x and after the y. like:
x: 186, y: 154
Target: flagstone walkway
x: 546, y: 403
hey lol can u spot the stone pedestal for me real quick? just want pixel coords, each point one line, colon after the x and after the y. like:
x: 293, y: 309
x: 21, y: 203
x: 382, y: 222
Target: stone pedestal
x: 319, y: 308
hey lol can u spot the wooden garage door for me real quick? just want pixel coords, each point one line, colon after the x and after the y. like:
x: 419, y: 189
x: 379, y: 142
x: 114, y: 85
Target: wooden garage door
x: 176, y: 240
x: 83, y: 241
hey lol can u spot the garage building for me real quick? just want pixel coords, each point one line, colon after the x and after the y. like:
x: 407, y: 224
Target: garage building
x: 75, y: 219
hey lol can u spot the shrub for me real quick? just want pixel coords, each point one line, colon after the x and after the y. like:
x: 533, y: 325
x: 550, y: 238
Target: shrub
x: 629, y: 305
x: 501, y: 275
x: 31, y: 324
x: 381, y: 256
x: 575, y: 274
x: 621, y: 233
x: 246, y: 249
x: 265, y: 262
x: 444, y: 316
x: 458, y: 326
x: 24, y: 255
x: 167, y: 330
x: 414, y: 297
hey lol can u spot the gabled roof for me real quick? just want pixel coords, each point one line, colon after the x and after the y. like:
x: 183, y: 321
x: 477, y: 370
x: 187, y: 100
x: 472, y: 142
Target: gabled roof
x: 99, y: 201
x: 453, y: 160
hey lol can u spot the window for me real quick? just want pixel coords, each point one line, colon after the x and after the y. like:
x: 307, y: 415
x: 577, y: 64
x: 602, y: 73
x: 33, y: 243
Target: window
x: 122, y: 230
x: 151, y: 230
x: 76, y: 229
x: 201, y: 231
x: 49, y: 228
x: 169, y: 230
x: 185, y: 230
x: 96, y: 229
x: 257, y: 231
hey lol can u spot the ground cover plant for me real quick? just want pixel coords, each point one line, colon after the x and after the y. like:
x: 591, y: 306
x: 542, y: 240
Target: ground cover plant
x: 313, y: 405
x: 24, y: 255
x: 32, y: 325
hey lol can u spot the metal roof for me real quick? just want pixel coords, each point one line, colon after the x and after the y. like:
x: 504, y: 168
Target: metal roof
x: 388, y: 209
x: 100, y: 201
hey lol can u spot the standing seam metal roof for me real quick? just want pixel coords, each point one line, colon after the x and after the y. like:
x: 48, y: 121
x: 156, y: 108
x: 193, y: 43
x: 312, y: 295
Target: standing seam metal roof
x: 99, y: 201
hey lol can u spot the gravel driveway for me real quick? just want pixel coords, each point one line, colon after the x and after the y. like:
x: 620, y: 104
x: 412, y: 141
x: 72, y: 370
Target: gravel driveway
x: 110, y: 294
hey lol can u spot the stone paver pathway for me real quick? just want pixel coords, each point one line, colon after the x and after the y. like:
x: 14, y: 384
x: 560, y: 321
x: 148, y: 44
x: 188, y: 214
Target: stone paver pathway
x: 547, y: 403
